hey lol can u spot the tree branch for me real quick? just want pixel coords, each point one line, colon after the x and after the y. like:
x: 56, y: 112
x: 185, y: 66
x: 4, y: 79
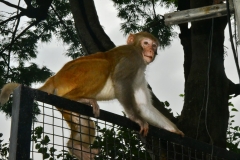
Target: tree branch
x: 153, y: 5
x: 34, y: 23
x: 62, y: 22
x: 233, y: 88
x: 91, y: 35
x: 92, y: 19
x: 153, y: 24
x: 12, y: 5
x: 10, y: 47
x: 28, y: 2
x: 11, y: 18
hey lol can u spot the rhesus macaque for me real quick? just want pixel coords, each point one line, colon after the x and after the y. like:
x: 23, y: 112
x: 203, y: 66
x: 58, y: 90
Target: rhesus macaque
x: 117, y: 73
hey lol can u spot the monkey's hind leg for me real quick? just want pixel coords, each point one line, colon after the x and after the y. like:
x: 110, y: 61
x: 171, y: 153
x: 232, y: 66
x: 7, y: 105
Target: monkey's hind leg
x: 82, y: 136
x: 82, y: 152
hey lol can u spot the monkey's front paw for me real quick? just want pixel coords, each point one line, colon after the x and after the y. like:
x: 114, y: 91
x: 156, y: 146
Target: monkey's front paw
x: 144, y: 129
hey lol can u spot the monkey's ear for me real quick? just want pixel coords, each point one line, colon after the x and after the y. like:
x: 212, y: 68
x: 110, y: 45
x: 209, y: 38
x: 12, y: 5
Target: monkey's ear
x: 130, y: 39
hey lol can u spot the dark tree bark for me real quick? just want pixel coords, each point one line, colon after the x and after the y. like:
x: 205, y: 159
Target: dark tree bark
x: 206, y: 93
x: 90, y: 32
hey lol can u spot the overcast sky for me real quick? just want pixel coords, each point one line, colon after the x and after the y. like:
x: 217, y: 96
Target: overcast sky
x: 165, y: 74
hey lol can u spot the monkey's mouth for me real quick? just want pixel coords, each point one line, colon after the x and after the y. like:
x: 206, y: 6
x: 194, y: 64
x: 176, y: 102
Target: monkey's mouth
x: 148, y: 57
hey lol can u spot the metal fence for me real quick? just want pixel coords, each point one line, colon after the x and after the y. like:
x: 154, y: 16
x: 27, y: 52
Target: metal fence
x: 45, y: 136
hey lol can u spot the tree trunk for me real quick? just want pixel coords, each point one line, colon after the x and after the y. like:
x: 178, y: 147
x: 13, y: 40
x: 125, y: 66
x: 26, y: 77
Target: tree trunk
x: 90, y: 32
x: 205, y: 113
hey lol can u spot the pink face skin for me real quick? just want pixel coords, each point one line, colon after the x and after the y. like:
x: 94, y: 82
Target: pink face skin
x: 149, y: 48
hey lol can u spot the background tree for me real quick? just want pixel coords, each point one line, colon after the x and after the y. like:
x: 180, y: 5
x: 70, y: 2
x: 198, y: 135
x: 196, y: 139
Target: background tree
x: 207, y: 88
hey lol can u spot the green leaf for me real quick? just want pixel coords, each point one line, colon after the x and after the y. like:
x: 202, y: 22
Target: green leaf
x: 234, y: 110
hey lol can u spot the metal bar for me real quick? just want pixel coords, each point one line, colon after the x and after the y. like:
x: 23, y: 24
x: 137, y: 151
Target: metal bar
x: 236, y: 4
x: 197, y: 14
x: 69, y: 105
x: 20, y: 137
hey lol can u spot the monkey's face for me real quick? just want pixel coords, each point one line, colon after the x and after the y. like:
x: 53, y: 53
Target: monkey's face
x: 149, y: 49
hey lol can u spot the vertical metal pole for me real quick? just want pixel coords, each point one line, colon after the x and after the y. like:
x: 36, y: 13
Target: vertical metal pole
x: 20, y: 138
x: 236, y: 4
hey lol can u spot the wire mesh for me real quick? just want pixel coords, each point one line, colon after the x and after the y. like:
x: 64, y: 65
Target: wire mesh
x: 50, y: 134
x: 116, y: 137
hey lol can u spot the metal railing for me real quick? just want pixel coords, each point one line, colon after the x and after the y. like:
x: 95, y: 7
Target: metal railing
x: 117, y: 137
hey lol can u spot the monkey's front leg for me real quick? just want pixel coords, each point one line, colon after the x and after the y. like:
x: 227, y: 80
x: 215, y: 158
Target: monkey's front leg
x: 93, y: 103
x: 144, y: 127
x: 150, y: 114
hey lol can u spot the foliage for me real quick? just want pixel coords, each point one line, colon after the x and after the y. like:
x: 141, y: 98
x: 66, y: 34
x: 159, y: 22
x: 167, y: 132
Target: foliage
x: 119, y: 143
x: 166, y: 104
x: 7, y: 108
x: 233, y: 133
x: 42, y: 146
x: 60, y: 23
x: 108, y: 138
x: 4, y: 149
x: 142, y: 16
x: 19, y: 46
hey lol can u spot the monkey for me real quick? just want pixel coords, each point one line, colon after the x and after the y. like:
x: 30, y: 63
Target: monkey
x: 114, y: 74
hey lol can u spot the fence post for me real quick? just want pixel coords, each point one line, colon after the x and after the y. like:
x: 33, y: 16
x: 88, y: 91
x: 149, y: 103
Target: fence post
x: 20, y: 137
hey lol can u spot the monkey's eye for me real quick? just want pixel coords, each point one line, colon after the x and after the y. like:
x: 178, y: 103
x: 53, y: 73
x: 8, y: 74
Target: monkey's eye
x: 154, y: 45
x: 145, y: 42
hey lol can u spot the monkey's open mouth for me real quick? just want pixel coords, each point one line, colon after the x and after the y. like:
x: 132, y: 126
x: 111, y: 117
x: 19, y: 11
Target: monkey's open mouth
x: 150, y: 57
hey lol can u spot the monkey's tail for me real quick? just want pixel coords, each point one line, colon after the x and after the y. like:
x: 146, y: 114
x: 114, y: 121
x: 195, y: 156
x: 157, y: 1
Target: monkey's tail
x: 6, y: 91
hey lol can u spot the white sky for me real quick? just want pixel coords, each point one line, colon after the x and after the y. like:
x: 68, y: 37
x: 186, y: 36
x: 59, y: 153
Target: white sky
x: 165, y: 74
